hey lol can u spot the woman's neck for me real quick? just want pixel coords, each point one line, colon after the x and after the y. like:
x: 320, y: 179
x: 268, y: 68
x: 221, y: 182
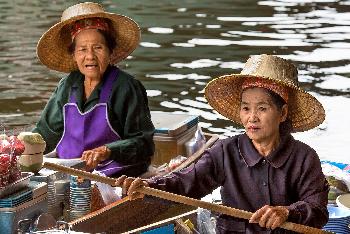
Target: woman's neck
x: 266, y: 147
x: 89, y: 86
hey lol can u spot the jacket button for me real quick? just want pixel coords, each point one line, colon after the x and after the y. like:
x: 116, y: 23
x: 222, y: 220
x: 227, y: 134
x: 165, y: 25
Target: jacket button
x: 264, y: 183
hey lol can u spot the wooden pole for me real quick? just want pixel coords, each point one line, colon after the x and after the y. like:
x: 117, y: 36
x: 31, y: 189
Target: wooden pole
x: 182, y: 199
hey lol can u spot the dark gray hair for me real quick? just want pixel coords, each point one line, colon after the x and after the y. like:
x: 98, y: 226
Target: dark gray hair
x: 286, y: 126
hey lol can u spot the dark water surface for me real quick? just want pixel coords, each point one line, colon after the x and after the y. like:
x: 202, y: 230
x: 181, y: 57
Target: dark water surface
x: 184, y: 45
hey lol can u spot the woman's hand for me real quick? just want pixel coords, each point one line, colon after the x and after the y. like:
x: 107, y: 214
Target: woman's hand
x: 270, y: 216
x: 93, y: 157
x: 130, y: 185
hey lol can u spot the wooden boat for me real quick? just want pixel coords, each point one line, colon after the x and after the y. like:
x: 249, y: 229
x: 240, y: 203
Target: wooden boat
x: 124, y: 215
x: 140, y: 216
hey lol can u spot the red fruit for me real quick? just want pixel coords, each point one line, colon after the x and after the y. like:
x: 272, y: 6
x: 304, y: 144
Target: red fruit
x: 4, y: 163
x: 5, y: 147
x: 15, y: 174
x: 16, y: 145
x: 4, y: 180
x: 4, y: 158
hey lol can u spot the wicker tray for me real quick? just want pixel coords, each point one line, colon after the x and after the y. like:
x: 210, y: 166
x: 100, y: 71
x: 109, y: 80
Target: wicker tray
x: 17, y: 185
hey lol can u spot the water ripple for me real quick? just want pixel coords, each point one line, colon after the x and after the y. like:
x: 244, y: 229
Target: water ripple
x: 187, y: 43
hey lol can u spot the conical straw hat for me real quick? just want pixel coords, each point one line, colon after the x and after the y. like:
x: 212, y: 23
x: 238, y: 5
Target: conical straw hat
x: 224, y: 93
x: 52, y: 48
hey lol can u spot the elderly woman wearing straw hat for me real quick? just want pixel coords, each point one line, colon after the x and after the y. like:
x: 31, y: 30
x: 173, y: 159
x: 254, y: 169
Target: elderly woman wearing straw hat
x: 98, y: 112
x: 265, y: 170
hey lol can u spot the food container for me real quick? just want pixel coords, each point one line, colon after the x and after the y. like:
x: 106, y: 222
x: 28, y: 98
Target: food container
x: 60, y: 227
x: 9, y: 217
x: 172, y: 124
x: 168, y: 147
x: 172, y: 131
x: 33, y: 142
x: 17, y: 185
x: 63, y: 230
x: 31, y: 162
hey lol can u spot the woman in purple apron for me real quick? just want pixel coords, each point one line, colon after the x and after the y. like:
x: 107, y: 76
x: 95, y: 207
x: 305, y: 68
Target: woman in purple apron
x: 97, y: 113
x: 80, y: 140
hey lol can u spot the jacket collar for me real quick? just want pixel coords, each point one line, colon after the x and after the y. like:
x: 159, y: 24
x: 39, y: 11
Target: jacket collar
x: 276, y: 158
x: 79, y: 86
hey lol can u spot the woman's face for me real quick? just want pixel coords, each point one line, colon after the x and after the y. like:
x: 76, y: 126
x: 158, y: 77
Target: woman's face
x: 260, y: 116
x: 91, y: 53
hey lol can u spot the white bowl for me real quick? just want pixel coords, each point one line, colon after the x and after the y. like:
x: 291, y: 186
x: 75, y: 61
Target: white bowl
x: 343, y: 201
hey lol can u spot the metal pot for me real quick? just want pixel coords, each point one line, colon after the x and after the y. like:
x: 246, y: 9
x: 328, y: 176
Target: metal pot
x: 26, y: 226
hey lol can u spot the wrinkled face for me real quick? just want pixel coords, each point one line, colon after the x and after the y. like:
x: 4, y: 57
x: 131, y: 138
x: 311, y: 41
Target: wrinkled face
x: 91, y: 53
x: 260, y: 116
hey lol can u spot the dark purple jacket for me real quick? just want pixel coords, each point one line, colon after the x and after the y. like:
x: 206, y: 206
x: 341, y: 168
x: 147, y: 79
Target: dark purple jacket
x: 290, y: 176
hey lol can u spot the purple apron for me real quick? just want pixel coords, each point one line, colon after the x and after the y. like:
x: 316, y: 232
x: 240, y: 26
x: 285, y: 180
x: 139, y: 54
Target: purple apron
x: 86, y: 131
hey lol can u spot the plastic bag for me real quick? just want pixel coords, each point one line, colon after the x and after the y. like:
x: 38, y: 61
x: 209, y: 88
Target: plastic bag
x: 339, y: 171
x: 205, y: 221
x: 108, y: 193
x: 195, y: 143
x: 175, y: 162
x: 154, y: 171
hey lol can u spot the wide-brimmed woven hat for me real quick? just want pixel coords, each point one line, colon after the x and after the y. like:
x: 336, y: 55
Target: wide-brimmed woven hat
x: 224, y: 93
x: 52, y: 48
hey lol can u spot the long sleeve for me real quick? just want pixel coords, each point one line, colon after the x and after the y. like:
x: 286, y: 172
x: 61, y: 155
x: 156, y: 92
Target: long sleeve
x: 312, y: 189
x: 291, y: 176
x: 130, y: 116
x: 50, y: 124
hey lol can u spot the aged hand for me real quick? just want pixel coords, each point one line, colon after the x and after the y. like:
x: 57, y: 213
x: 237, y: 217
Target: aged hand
x: 270, y: 216
x: 93, y: 157
x: 130, y: 185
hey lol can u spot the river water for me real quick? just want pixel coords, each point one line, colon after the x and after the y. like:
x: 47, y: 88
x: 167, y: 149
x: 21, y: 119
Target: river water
x: 186, y: 43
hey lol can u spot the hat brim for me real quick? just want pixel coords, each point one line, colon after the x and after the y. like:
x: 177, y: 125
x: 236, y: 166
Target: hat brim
x: 224, y: 95
x: 52, y: 48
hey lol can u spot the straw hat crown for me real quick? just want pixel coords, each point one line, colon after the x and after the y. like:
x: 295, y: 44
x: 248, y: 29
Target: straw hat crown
x: 85, y: 8
x: 52, y: 48
x: 271, y: 67
x: 224, y: 93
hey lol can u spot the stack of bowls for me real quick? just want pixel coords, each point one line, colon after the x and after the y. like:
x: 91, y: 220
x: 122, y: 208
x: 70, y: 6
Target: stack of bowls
x: 79, y: 197
x: 52, y: 205
x: 62, y: 195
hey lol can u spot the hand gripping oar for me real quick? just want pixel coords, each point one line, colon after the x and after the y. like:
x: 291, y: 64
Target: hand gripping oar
x: 182, y: 199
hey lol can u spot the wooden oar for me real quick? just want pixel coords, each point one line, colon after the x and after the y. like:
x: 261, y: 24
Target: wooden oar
x: 182, y: 199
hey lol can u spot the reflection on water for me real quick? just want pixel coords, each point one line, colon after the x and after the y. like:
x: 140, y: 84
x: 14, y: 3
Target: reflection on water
x: 184, y: 44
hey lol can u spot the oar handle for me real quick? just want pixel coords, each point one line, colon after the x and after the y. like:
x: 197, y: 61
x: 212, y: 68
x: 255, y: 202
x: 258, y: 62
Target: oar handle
x: 76, y: 172
x: 223, y: 209
x: 182, y: 199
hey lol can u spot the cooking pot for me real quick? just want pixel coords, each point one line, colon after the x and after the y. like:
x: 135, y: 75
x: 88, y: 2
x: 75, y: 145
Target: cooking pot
x: 60, y: 227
